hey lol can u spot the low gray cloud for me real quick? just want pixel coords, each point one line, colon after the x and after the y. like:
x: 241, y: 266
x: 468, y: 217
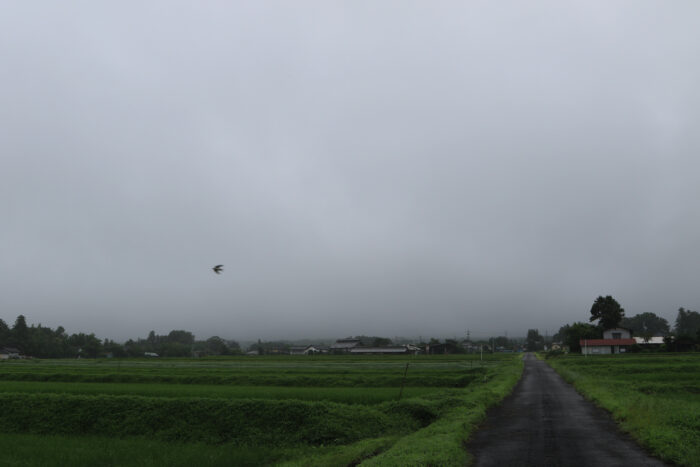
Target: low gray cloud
x: 392, y: 168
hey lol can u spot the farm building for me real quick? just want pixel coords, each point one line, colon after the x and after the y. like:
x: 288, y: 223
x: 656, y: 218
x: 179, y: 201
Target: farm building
x: 344, y: 345
x: 303, y: 350
x: 9, y: 352
x: 650, y: 342
x: 615, y: 340
x: 392, y: 350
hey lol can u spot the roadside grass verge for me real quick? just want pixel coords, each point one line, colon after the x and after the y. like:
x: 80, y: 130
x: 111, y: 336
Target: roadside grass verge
x: 654, y: 398
x: 442, y: 442
x: 348, y: 455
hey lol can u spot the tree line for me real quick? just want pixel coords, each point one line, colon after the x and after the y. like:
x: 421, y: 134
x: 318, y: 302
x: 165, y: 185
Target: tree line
x: 607, y: 313
x: 43, y: 342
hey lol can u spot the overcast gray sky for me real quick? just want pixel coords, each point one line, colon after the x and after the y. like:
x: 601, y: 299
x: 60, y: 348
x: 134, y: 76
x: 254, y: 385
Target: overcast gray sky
x: 361, y: 167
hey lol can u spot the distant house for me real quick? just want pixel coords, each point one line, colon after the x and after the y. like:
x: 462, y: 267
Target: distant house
x: 303, y: 350
x: 470, y: 347
x: 7, y: 353
x: 344, y: 345
x: 615, y: 340
x: 649, y: 341
x: 389, y: 350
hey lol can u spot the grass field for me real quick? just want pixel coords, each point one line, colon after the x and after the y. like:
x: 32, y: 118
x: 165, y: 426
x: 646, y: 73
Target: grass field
x: 655, y: 397
x: 328, y: 410
x: 348, y: 395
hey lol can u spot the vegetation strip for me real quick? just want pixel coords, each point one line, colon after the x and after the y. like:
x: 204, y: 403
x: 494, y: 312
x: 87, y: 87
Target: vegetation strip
x: 343, y: 395
x: 653, y: 397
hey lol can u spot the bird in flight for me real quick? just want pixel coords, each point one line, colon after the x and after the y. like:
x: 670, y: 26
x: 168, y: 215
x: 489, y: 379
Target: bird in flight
x: 218, y: 268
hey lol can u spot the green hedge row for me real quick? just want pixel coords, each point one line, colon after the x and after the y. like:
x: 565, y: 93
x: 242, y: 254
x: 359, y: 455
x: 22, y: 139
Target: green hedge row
x: 315, y: 380
x: 243, y: 421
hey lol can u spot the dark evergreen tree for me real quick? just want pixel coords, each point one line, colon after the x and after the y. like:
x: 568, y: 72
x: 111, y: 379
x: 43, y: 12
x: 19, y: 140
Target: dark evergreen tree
x: 687, y: 323
x: 534, y: 340
x: 607, y: 312
x: 19, y: 336
x: 4, y: 332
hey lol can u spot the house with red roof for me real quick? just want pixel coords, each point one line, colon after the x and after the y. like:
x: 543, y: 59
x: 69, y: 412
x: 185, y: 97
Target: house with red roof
x: 615, y: 340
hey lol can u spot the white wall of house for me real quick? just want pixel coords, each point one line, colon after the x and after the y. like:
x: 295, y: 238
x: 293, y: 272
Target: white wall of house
x: 595, y: 350
x: 601, y: 349
x: 617, y: 333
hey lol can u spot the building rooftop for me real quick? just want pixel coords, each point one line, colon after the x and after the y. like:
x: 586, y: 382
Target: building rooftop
x: 401, y: 349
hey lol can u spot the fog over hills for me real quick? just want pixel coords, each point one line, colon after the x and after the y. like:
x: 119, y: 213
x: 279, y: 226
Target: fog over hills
x: 380, y: 168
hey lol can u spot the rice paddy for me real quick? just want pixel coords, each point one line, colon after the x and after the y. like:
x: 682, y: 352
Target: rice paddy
x: 322, y: 410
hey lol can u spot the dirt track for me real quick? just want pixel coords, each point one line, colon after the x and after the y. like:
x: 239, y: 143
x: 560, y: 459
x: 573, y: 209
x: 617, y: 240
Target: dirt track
x: 545, y: 422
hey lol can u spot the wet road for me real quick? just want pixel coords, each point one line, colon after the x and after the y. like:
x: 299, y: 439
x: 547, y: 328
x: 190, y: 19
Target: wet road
x: 545, y: 422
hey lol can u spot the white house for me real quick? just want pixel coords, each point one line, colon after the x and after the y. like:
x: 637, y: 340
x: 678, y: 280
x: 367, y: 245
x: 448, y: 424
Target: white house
x: 617, y: 333
x: 615, y: 340
x: 303, y: 350
x: 9, y: 352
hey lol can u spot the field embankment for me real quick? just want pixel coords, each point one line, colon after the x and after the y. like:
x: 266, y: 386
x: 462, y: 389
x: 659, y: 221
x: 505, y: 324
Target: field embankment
x: 654, y: 397
x: 262, y: 411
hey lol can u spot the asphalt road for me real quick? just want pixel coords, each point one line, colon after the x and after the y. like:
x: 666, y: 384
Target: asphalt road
x: 545, y: 422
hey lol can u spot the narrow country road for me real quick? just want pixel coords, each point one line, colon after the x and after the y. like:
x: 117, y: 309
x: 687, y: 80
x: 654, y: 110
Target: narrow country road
x: 545, y: 422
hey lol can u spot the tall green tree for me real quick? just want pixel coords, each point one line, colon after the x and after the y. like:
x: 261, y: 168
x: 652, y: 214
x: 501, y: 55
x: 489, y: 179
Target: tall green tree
x: 4, y: 332
x: 573, y: 334
x: 646, y: 324
x: 607, y: 312
x: 85, y: 345
x: 20, y: 333
x: 534, y: 340
x: 687, y: 323
x: 181, y: 337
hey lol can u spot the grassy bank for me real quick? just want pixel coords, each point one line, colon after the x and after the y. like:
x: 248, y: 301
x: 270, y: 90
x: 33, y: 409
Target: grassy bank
x: 654, y: 397
x: 442, y: 442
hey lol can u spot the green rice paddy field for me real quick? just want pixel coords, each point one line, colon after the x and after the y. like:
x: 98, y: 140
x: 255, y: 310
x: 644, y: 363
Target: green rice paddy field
x: 321, y: 410
x: 655, y: 397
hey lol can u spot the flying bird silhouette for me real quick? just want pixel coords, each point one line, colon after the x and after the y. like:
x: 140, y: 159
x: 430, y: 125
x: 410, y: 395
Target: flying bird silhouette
x: 218, y: 268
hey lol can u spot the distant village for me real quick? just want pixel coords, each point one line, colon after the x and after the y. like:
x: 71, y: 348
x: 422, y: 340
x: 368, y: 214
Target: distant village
x: 614, y: 333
